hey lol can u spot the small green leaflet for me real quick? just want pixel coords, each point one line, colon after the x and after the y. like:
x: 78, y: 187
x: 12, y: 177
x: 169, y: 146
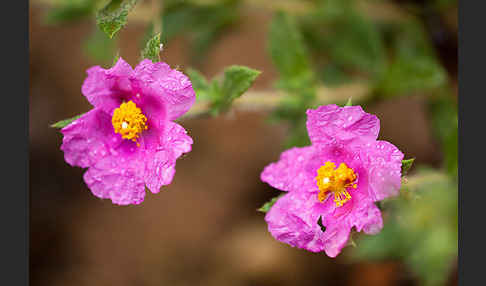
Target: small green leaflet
x: 200, y: 84
x: 65, y: 122
x: 236, y: 80
x: 266, y: 207
x: 406, y: 165
x: 114, y: 15
x: 349, y: 102
x: 152, y: 49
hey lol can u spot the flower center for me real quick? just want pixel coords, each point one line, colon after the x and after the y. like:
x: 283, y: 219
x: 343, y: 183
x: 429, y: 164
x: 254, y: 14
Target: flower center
x: 329, y: 179
x: 129, y: 121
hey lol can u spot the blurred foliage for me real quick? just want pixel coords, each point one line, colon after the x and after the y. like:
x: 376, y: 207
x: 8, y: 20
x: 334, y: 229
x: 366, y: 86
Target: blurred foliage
x: 420, y: 228
x: 202, y: 23
x: 99, y: 47
x: 70, y: 11
x: 296, y: 76
x: 443, y: 110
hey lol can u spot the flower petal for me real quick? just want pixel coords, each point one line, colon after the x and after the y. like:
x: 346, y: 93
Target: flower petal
x: 292, y: 220
x: 383, y: 162
x: 290, y: 173
x: 171, y: 86
x: 160, y: 168
x: 85, y: 139
x: 331, y: 122
x: 106, y: 88
x: 118, y: 178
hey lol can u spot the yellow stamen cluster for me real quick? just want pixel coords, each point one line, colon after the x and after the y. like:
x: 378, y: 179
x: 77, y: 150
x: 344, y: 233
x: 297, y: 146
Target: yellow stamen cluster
x: 129, y: 121
x: 329, y: 179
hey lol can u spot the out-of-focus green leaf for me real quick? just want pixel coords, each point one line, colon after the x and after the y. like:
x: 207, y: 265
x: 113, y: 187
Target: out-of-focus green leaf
x: 407, y: 75
x: 268, y: 205
x: 357, y: 44
x: 420, y: 231
x: 332, y: 75
x: 200, y: 84
x: 443, y: 111
x: 236, y: 80
x: 290, y: 56
x: 114, y: 15
x: 152, y: 49
x: 186, y: 18
x: 415, y: 66
x: 70, y: 10
x: 406, y: 165
x: 63, y: 123
x: 349, y: 102
x: 338, y: 33
x: 99, y: 47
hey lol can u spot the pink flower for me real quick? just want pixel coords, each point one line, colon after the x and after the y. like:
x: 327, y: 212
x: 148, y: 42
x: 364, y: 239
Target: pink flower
x: 337, y: 179
x: 129, y: 140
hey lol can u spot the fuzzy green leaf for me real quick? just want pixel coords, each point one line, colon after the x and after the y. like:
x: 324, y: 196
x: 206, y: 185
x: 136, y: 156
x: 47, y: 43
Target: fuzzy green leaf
x: 349, y: 102
x: 290, y: 56
x: 406, y: 165
x: 70, y: 11
x: 114, y: 15
x: 99, y: 48
x: 236, y: 80
x: 63, y: 123
x: 152, y: 49
x: 199, y: 84
x: 268, y: 205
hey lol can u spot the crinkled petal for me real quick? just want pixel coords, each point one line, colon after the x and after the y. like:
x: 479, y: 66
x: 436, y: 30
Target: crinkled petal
x: 118, y: 178
x: 171, y: 86
x: 85, y: 140
x: 292, y: 220
x: 107, y: 88
x: 290, y: 172
x: 331, y: 122
x: 334, y: 239
x: 366, y: 217
x: 160, y: 168
x: 383, y: 162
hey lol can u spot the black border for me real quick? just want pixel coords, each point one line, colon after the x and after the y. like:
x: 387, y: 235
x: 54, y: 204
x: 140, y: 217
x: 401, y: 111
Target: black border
x: 15, y: 140
x: 472, y: 193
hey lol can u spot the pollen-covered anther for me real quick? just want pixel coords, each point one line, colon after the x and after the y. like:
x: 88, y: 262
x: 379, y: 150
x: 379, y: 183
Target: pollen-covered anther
x: 329, y: 179
x: 129, y: 121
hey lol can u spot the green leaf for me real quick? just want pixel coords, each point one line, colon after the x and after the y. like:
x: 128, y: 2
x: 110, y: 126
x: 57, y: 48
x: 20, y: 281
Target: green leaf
x: 268, y: 205
x: 199, y: 84
x: 420, y: 232
x: 444, y: 117
x: 116, y: 58
x: 70, y: 11
x: 114, y: 15
x: 99, y: 48
x: 236, y: 80
x: 191, y: 19
x: 356, y: 43
x: 349, y: 102
x: 407, y: 75
x: 406, y: 165
x: 65, y: 122
x: 290, y: 56
x: 152, y: 49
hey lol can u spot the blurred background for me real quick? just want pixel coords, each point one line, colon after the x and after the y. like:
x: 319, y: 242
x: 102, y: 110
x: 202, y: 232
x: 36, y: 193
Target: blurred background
x: 396, y: 58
